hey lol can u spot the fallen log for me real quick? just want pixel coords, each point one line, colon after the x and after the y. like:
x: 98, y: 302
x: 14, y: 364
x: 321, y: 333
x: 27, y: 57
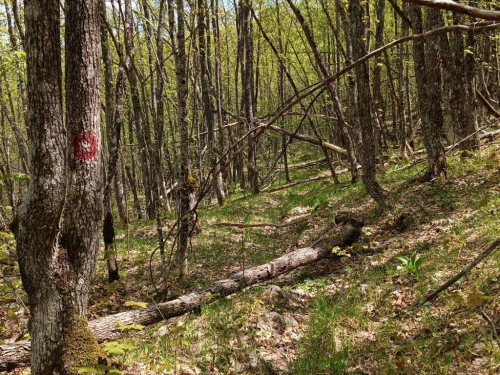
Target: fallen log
x: 262, y: 225
x: 18, y: 354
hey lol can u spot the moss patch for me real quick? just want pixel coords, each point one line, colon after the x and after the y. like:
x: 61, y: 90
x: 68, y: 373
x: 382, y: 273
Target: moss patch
x: 80, y: 346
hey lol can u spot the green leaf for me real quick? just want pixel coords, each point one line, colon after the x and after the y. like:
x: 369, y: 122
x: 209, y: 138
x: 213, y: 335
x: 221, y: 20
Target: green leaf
x: 84, y: 369
x: 418, y: 263
x: 115, y: 351
x: 403, y: 260
x: 128, y: 327
x: 448, y: 357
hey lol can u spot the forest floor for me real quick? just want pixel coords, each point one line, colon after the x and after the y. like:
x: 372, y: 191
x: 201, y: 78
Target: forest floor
x: 348, y: 316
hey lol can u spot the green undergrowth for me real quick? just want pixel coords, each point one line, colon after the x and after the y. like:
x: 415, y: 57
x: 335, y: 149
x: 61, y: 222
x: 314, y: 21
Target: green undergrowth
x: 357, y: 314
x: 350, y: 316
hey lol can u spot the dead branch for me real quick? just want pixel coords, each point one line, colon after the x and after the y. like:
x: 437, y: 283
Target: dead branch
x: 432, y: 296
x: 487, y: 104
x: 459, y: 8
x: 314, y: 141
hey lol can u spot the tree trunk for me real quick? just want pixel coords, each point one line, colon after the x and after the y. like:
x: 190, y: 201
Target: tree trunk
x: 364, y: 111
x: 378, y: 102
x: 57, y: 280
x: 186, y: 180
x: 463, y: 102
x: 114, y: 119
x: 248, y: 86
x: 207, y: 100
x: 429, y: 99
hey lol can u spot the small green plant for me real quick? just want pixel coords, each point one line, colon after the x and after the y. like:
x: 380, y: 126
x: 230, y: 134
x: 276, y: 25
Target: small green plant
x: 115, y: 348
x: 340, y: 252
x: 411, y: 264
x: 128, y: 327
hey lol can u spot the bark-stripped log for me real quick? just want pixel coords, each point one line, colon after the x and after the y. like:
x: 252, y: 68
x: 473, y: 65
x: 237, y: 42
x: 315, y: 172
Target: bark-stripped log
x: 18, y: 354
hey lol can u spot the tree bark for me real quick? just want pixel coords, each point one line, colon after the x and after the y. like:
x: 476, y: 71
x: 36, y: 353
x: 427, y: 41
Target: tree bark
x: 207, y: 100
x: 186, y: 180
x: 426, y: 68
x: 57, y: 280
x: 463, y: 102
x: 114, y: 120
x: 37, y: 245
x: 358, y: 32
x: 248, y: 86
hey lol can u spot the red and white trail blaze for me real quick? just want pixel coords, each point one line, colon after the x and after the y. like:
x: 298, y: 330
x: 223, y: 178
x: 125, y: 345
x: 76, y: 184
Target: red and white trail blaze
x: 85, y: 145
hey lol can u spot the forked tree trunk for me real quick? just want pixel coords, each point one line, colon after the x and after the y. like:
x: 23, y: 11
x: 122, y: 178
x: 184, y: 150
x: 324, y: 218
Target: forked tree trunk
x: 57, y: 280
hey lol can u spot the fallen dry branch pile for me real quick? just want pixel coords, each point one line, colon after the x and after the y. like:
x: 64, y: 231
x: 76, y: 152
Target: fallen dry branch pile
x: 18, y: 354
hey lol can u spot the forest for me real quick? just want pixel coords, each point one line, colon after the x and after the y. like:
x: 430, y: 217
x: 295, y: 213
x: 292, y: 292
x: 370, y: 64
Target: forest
x: 292, y: 187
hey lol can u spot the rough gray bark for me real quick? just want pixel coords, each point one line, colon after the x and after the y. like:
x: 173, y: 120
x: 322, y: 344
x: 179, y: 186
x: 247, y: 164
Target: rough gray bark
x: 432, y: 130
x: 463, y: 102
x: 57, y: 280
x: 159, y: 132
x: 378, y: 101
x: 218, y: 87
x: 186, y: 181
x: 37, y: 245
x: 114, y: 119
x: 17, y: 19
x: 427, y: 75
x: 343, y: 235
x: 364, y: 109
x: 83, y: 208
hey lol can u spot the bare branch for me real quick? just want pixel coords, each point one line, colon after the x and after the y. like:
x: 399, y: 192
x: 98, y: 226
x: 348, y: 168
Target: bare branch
x: 484, y: 14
